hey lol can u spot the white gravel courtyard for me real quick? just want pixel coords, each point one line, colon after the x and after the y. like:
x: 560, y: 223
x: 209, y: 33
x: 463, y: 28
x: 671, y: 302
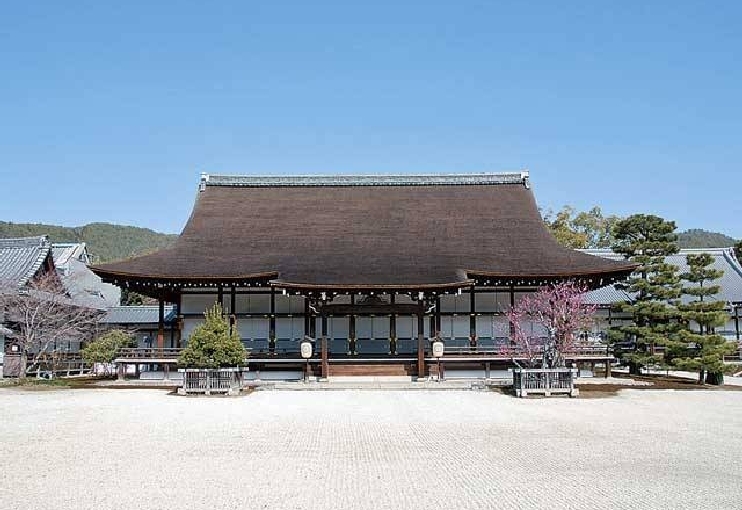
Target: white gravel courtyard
x: 126, y: 449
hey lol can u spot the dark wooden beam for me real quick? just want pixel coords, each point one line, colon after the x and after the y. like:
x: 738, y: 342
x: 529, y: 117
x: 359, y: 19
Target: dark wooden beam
x: 232, y: 308
x: 272, y: 322
x: 161, y: 323
x: 437, y: 315
x: 392, y: 328
x: 511, y: 327
x: 352, y: 327
x: 472, y: 317
x: 325, y: 362
x: 179, y: 319
x: 421, y: 342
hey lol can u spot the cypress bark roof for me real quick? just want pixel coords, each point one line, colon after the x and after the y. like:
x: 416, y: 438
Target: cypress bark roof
x: 365, y: 232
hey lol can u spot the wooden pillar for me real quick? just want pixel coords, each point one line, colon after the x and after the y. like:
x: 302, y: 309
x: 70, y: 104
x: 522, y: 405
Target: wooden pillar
x: 392, y: 328
x: 232, y: 308
x: 352, y: 328
x: 161, y: 323
x: 121, y: 371
x: 272, y: 323
x: 608, y: 346
x: 472, y: 317
x: 166, y: 371
x: 220, y: 295
x: 421, y: 342
x: 325, y: 363
x: 437, y: 315
x: 306, y: 316
x: 736, y: 320
x: 179, y: 320
x: 512, y: 305
x: 312, y: 324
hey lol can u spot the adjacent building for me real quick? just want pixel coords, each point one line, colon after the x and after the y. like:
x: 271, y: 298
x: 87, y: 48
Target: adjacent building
x: 730, y: 290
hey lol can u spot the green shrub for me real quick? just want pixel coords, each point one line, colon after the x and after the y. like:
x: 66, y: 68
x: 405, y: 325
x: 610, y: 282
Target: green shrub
x: 104, y: 348
x: 211, y: 345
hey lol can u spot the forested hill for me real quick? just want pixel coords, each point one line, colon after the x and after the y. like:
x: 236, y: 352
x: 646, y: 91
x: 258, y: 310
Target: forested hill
x: 699, y: 238
x: 105, y: 242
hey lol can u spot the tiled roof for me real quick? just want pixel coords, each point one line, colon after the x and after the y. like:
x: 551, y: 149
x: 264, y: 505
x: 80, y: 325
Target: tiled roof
x: 136, y: 315
x: 64, y: 252
x: 724, y: 259
x: 21, y: 258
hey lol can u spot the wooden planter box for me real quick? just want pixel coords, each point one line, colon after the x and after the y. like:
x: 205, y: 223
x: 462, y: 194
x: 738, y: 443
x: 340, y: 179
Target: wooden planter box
x: 544, y: 381
x: 225, y: 381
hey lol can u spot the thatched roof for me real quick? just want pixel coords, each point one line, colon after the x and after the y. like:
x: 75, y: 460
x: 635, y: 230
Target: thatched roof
x: 364, y: 232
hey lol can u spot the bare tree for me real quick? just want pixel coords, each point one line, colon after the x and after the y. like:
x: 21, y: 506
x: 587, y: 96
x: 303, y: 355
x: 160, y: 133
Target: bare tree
x: 44, y: 318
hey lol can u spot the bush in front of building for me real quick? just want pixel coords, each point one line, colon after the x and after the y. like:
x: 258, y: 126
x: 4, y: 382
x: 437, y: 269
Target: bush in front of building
x: 212, y: 344
x: 104, y: 348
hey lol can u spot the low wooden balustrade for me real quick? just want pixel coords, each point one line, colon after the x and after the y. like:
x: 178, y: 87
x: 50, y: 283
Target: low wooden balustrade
x: 209, y: 381
x: 149, y: 352
x: 510, y: 351
x: 60, y: 364
x: 544, y: 381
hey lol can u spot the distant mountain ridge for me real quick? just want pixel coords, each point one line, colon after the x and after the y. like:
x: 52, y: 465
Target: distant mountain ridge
x: 699, y: 238
x: 105, y: 241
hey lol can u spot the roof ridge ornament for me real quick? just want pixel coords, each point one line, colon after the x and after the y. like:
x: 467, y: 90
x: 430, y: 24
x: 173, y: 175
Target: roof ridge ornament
x: 204, y: 180
x: 525, y: 177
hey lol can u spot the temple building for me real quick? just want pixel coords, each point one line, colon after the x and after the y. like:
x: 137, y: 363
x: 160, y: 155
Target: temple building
x: 730, y: 291
x: 369, y: 267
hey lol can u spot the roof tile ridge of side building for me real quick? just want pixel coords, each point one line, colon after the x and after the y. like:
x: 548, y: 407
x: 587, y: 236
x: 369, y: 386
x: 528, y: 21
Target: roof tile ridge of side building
x: 731, y: 257
x: 24, y: 242
x: 520, y: 177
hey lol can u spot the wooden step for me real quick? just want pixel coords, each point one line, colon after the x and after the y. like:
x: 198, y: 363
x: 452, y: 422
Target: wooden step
x: 369, y: 369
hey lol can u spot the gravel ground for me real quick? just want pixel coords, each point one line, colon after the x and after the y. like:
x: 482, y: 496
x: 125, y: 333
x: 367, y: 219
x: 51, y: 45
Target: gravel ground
x: 127, y: 449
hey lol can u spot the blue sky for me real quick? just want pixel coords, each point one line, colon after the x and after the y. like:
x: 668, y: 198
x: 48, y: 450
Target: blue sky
x: 109, y: 113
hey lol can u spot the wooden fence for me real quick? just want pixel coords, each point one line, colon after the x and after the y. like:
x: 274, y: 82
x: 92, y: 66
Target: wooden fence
x: 207, y: 381
x: 544, y: 381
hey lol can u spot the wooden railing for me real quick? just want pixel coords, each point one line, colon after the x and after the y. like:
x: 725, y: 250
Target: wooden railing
x: 208, y: 381
x: 509, y: 351
x: 543, y: 381
x: 150, y: 352
x: 58, y: 366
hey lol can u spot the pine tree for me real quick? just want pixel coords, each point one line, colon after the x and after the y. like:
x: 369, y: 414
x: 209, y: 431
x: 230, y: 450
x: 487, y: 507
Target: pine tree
x: 655, y: 286
x: 212, y: 344
x: 698, y: 347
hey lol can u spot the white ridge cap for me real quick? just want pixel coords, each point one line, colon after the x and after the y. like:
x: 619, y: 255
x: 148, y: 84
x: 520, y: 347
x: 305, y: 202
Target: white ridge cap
x: 368, y: 180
